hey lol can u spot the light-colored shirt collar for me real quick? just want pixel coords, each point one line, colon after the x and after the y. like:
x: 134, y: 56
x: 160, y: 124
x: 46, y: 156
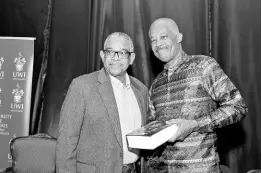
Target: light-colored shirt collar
x: 118, y: 83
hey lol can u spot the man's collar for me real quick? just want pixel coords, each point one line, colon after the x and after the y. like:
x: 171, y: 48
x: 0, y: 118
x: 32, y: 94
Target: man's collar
x: 103, y: 76
x: 181, y: 57
x: 117, y: 82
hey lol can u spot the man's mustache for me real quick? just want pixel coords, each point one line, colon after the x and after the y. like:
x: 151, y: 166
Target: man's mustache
x: 159, y: 48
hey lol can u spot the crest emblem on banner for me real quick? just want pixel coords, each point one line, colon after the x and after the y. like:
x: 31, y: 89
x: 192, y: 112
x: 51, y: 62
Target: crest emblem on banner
x: 18, y: 93
x: 19, y: 62
x: 1, y: 62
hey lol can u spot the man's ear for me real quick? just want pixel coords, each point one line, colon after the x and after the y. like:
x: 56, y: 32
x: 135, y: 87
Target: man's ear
x: 132, y: 58
x: 102, y: 55
x: 179, y: 37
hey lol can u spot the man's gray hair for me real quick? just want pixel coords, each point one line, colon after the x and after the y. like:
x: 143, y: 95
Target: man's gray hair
x: 169, y: 23
x: 123, y: 35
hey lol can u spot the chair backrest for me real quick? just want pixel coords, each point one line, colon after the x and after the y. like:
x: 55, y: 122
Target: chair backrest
x: 225, y: 169
x: 254, y: 171
x: 31, y: 154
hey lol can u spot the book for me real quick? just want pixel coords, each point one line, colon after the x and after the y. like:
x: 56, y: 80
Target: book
x: 151, y: 135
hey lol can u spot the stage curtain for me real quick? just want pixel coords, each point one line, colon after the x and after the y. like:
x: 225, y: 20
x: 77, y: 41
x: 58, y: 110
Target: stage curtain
x: 227, y: 30
x: 236, y: 44
x: 30, y: 18
x: 79, y: 29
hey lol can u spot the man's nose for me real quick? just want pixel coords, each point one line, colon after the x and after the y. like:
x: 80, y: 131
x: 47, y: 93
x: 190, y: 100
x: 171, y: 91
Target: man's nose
x: 159, y: 46
x: 116, y: 56
x: 158, y: 43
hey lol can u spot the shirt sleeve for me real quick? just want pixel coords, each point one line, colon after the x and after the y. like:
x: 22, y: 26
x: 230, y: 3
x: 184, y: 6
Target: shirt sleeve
x: 231, y: 106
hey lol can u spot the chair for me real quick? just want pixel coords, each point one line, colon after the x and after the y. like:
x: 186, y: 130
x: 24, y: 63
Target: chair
x: 225, y: 169
x: 32, y: 154
x: 254, y: 171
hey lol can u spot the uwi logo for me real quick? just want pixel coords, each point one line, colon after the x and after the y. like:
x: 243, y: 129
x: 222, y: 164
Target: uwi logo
x: 19, y: 62
x: 18, y: 94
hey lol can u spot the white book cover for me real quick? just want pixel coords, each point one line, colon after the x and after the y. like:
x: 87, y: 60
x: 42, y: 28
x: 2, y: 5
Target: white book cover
x: 151, y: 135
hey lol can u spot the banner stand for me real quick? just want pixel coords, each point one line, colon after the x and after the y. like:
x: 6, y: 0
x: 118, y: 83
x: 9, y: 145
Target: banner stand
x: 16, y: 72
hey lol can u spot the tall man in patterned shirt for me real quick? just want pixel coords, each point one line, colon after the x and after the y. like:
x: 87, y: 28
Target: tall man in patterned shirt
x: 194, y: 93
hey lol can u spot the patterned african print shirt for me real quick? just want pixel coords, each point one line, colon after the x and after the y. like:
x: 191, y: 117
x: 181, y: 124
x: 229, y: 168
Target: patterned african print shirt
x: 196, y: 88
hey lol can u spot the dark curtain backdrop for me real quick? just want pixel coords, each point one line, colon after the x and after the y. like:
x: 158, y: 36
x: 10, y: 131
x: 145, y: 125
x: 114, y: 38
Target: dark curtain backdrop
x: 69, y: 35
x: 29, y: 18
x: 236, y: 45
x: 79, y: 29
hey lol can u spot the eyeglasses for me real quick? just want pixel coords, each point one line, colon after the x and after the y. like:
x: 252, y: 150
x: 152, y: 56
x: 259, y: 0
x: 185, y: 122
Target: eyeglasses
x: 121, y: 54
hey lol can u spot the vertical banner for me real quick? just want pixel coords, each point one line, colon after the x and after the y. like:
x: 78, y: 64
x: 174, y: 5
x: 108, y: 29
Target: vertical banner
x: 16, y: 71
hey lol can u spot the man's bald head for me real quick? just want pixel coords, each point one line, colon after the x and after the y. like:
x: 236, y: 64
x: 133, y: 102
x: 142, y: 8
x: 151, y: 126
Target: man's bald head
x: 165, y: 39
x: 166, y: 22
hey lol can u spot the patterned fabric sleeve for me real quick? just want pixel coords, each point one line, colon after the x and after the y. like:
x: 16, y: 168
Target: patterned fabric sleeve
x: 231, y: 106
x: 152, y: 111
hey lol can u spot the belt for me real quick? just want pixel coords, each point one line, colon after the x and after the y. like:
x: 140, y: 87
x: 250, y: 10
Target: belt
x: 129, y: 168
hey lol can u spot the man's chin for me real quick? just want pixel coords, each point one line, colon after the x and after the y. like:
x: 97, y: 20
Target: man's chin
x: 115, y: 73
x: 164, y: 58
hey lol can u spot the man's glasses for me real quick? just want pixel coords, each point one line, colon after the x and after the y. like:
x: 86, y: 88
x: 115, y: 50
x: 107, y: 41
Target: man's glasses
x: 121, y: 54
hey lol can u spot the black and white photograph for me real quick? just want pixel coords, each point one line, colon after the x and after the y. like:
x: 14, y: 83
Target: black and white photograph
x: 80, y: 78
